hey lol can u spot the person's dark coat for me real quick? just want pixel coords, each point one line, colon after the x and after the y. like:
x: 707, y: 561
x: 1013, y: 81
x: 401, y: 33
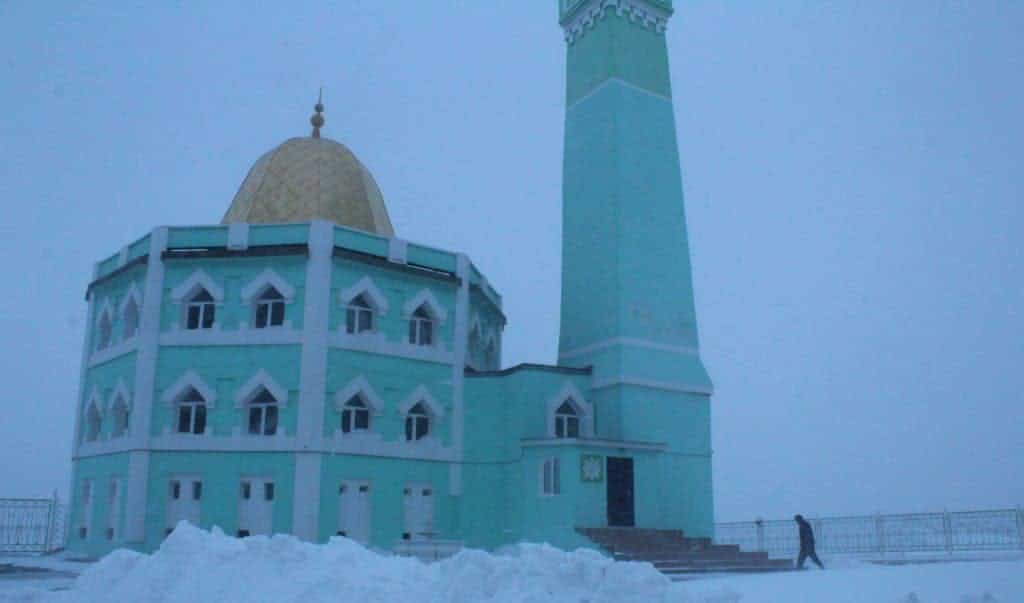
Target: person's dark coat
x: 806, y: 534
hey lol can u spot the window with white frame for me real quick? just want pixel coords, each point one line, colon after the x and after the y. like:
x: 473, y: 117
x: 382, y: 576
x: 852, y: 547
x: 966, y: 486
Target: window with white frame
x: 200, y: 311
x: 417, y: 423
x: 93, y: 423
x: 567, y: 421
x: 550, y: 477
x: 263, y: 413
x: 130, y: 316
x: 191, y: 412
x: 421, y: 327
x: 269, y: 309
x: 105, y: 331
x: 359, y: 316
x: 121, y: 416
x: 355, y: 415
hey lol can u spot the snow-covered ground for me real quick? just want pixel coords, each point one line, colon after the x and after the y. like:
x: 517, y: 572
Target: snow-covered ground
x: 194, y: 566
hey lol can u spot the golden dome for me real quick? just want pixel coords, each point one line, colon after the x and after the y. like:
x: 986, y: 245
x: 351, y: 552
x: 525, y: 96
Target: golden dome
x: 305, y: 179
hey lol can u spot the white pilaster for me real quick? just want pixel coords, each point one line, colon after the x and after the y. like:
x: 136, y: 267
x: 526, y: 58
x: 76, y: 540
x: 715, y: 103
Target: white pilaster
x: 461, y: 335
x: 313, y: 384
x: 145, y: 384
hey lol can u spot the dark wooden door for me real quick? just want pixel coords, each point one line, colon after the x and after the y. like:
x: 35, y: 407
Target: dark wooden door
x: 620, y: 491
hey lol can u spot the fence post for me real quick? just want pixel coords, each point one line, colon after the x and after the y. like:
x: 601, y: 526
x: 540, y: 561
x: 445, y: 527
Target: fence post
x: 1020, y: 527
x: 760, y: 533
x: 880, y: 533
x: 947, y: 530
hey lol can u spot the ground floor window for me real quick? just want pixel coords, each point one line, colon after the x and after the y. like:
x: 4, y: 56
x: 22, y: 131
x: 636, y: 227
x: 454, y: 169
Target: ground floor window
x: 550, y: 479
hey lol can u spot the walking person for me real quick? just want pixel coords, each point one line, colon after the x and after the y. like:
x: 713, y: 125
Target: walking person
x: 806, y: 543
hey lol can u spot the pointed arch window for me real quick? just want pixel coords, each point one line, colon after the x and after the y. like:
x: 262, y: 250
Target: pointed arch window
x: 417, y: 423
x: 93, y: 423
x: 269, y: 309
x: 200, y: 311
x: 567, y: 421
x: 355, y: 415
x: 263, y: 413
x: 105, y: 331
x: 421, y: 327
x: 359, y: 316
x: 192, y: 412
x: 130, y: 316
x: 121, y: 416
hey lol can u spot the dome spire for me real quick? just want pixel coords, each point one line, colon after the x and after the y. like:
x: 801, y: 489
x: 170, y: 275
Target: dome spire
x: 318, y: 118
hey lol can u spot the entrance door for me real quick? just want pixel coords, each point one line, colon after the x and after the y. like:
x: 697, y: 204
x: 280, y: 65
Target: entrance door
x: 354, y: 511
x: 255, y: 506
x: 620, y: 491
x: 418, y: 504
x: 183, y: 501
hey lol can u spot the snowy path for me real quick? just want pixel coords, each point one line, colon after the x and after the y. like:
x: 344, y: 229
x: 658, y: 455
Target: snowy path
x: 197, y: 566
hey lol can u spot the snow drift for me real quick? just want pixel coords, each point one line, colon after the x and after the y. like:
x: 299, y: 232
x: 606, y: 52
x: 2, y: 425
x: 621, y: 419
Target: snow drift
x: 193, y: 565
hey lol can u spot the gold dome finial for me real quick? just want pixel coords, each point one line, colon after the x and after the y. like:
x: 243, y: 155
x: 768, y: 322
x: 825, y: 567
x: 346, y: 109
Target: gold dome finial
x: 318, y: 118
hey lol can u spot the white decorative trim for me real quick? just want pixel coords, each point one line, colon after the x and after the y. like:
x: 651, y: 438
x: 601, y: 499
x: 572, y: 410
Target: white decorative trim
x: 365, y: 286
x: 586, y: 17
x: 189, y: 379
x: 238, y: 236
x: 284, y: 335
x: 398, y: 250
x: 620, y: 82
x: 572, y: 394
x: 94, y: 399
x: 197, y: 279
x: 122, y: 257
x: 111, y: 352
x: 267, y: 278
x: 106, y: 309
x: 132, y: 293
x: 593, y: 442
x: 633, y: 342
x: 420, y: 394
x: 425, y: 297
x: 359, y: 386
x: 377, y: 343
x: 662, y: 385
x: 261, y: 380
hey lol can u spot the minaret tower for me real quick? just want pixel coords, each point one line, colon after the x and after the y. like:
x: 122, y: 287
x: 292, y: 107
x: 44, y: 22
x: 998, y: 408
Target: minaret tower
x: 627, y: 290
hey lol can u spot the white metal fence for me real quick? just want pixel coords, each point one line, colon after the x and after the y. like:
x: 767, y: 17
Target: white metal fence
x: 966, y: 531
x: 32, y: 525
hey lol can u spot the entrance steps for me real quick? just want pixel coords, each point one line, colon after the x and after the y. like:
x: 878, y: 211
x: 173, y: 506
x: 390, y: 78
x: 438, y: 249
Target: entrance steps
x: 676, y: 555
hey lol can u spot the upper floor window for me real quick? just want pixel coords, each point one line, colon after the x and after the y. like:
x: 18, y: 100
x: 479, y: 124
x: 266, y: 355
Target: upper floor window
x: 105, y: 331
x: 421, y: 327
x: 200, y: 311
x: 93, y: 423
x: 130, y: 316
x: 121, y: 417
x: 191, y: 412
x: 355, y: 416
x: 263, y: 414
x: 417, y: 423
x: 269, y: 311
x: 567, y: 421
x: 359, y: 315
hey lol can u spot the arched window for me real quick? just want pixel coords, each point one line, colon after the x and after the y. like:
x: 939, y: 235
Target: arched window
x: 106, y: 331
x: 359, y: 315
x: 263, y: 414
x: 421, y: 327
x: 200, y: 311
x: 417, y: 423
x: 567, y: 421
x: 269, y: 310
x: 191, y: 412
x: 93, y: 423
x: 121, y: 417
x: 355, y: 416
x: 131, y: 318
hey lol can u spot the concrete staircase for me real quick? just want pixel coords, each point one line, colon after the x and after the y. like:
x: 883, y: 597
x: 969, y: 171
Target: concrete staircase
x: 676, y: 555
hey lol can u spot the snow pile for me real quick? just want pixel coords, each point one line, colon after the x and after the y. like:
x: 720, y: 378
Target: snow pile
x: 193, y: 566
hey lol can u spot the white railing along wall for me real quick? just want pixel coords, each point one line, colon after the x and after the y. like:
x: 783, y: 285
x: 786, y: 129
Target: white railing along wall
x: 32, y: 525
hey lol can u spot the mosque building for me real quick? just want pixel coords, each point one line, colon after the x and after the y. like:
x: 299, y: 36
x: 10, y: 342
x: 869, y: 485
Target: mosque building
x: 298, y: 368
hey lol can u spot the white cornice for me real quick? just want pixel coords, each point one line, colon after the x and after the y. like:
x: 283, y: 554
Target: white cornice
x: 638, y: 11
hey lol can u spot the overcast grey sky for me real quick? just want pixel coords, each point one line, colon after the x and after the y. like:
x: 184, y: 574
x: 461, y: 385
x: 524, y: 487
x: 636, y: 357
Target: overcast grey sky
x: 854, y: 197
